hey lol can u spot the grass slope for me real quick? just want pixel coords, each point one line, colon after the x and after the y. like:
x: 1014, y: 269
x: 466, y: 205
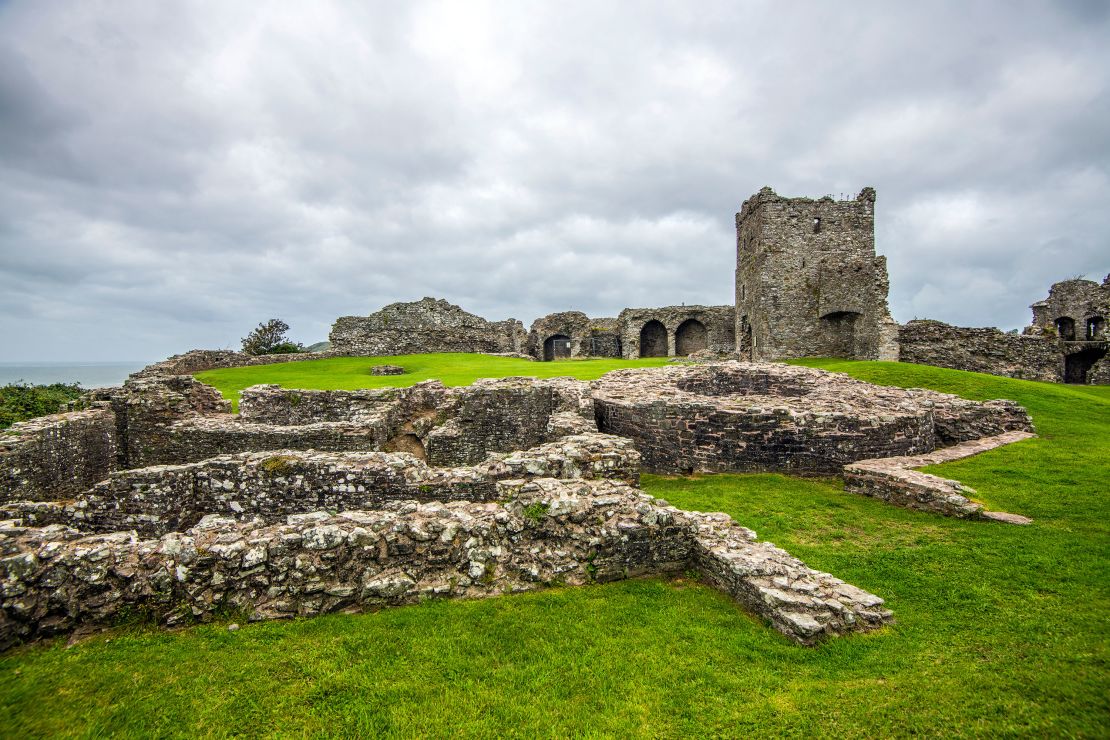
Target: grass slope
x: 350, y: 373
x: 1001, y: 630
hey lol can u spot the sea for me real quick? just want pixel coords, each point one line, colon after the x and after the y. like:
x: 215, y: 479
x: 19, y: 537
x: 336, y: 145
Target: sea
x: 87, y: 374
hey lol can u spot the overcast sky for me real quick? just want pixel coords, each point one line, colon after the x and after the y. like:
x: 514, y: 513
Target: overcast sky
x: 173, y: 173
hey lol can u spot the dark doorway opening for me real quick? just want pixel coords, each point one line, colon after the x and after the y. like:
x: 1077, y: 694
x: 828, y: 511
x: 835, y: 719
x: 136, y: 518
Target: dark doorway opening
x: 838, y: 330
x: 556, y: 348
x: 653, y: 340
x: 690, y: 337
x: 1078, y: 364
x: 1065, y: 327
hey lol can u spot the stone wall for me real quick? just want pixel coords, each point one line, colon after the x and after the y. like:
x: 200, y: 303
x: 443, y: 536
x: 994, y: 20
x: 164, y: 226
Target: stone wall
x: 927, y: 342
x: 895, y: 480
x: 427, y: 325
x: 808, y: 282
x: 274, y: 484
x: 147, y: 408
x: 677, y: 331
x: 545, y: 531
x: 55, y: 457
x: 747, y: 417
x: 198, y: 360
x: 570, y: 334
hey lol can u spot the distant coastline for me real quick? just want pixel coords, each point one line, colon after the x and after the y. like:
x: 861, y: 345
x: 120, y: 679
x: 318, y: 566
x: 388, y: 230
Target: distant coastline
x: 87, y: 374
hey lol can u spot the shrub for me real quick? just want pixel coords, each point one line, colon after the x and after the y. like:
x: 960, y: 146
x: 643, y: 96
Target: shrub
x: 22, y: 401
x: 268, y: 338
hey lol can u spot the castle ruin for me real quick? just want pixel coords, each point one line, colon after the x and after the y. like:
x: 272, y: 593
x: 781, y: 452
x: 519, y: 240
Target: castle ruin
x: 808, y: 282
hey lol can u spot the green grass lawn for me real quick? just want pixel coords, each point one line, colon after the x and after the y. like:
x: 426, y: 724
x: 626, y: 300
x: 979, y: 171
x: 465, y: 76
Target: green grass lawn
x: 350, y: 373
x: 1001, y: 630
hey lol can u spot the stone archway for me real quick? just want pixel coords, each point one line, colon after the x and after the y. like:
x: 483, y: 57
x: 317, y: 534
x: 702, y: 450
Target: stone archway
x: 556, y: 347
x: 690, y: 337
x: 653, y: 340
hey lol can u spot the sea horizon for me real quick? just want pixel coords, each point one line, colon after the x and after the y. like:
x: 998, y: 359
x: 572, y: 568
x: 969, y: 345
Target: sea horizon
x: 88, y: 374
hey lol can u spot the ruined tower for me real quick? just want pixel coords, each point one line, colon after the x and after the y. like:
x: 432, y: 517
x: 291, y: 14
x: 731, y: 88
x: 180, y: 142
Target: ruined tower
x: 808, y: 283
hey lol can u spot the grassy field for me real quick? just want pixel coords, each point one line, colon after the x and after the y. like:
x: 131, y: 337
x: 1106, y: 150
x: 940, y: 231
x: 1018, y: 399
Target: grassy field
x: 1000, y: 630
x: 350, y: 373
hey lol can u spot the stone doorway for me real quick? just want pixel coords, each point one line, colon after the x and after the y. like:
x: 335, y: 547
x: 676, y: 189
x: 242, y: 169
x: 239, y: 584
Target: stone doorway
x: 556, y: 347
x: 690, y: 337
x: 1078, y: 364
x: 838, y: 334
x: 653, y: 340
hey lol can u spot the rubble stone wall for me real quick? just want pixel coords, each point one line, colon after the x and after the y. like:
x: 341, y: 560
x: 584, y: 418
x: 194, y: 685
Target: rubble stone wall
x: 753, y: 417
x: 198, y: 360
x: 427, y: 325
x: 545, y: 531
x: 927, y: 342
x: 896, y: 481
x: 55, y: 457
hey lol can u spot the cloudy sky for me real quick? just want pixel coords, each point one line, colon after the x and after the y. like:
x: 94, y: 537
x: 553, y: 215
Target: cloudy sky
x: 173, y: 173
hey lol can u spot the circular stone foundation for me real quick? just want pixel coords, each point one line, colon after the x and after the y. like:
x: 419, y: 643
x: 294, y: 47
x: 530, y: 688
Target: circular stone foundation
x: 747, y: 417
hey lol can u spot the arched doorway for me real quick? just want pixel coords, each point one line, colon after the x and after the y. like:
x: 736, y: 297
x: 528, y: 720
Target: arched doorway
x: 690, y: 337
x: 556, y: 347
x: 838, y: 330
x: 1065, y: 327
x: 653, y: 340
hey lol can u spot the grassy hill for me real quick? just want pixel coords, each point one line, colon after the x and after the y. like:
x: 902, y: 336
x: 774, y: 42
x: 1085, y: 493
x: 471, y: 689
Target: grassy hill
x: 1000, y: 630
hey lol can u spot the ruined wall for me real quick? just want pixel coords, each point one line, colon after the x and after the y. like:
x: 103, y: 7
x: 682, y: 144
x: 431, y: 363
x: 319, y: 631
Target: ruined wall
x: 274, y: 484
x: 197, y: 360
x: 177, y: 420
x: 54, y: 457
x: 1085, y: 303
x: 808, y: 282
x: 569, y: 334
x: 927, y: 342
x: 542, y: 532
x: 503, y: 415
x: 427, y: 325
x: 147, y: 408
x: 755, y: 417
x: 679, y: 331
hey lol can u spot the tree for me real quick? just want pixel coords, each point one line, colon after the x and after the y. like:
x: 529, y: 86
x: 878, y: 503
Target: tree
x: 269, y: 339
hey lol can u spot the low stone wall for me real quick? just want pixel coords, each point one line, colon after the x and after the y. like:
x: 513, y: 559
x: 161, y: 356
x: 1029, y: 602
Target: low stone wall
x: 56, y: 579
x: 927, y: 342
x: 502, y: 415
x: 198, y: 360
x: 749, y: 417
x: 895, y: 481
x: 271, y: 485
x: 272, y: 404
x: 54, y: 457
x: 147, y: 408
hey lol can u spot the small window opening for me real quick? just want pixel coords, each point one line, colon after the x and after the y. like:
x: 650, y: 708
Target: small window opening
x: 816, y: 225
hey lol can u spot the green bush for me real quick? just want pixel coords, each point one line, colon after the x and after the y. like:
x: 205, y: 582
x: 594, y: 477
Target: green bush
x: 22, y: 401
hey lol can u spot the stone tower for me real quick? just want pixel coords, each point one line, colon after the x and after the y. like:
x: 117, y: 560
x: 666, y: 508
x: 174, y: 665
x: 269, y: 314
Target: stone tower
x: 808, y: 283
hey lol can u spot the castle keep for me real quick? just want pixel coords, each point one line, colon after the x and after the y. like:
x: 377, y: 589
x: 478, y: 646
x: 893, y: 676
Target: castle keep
x: 808, y: 282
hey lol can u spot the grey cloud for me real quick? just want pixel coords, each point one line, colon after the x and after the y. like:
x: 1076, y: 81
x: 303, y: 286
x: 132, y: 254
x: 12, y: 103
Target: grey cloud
x: 171, y: 175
